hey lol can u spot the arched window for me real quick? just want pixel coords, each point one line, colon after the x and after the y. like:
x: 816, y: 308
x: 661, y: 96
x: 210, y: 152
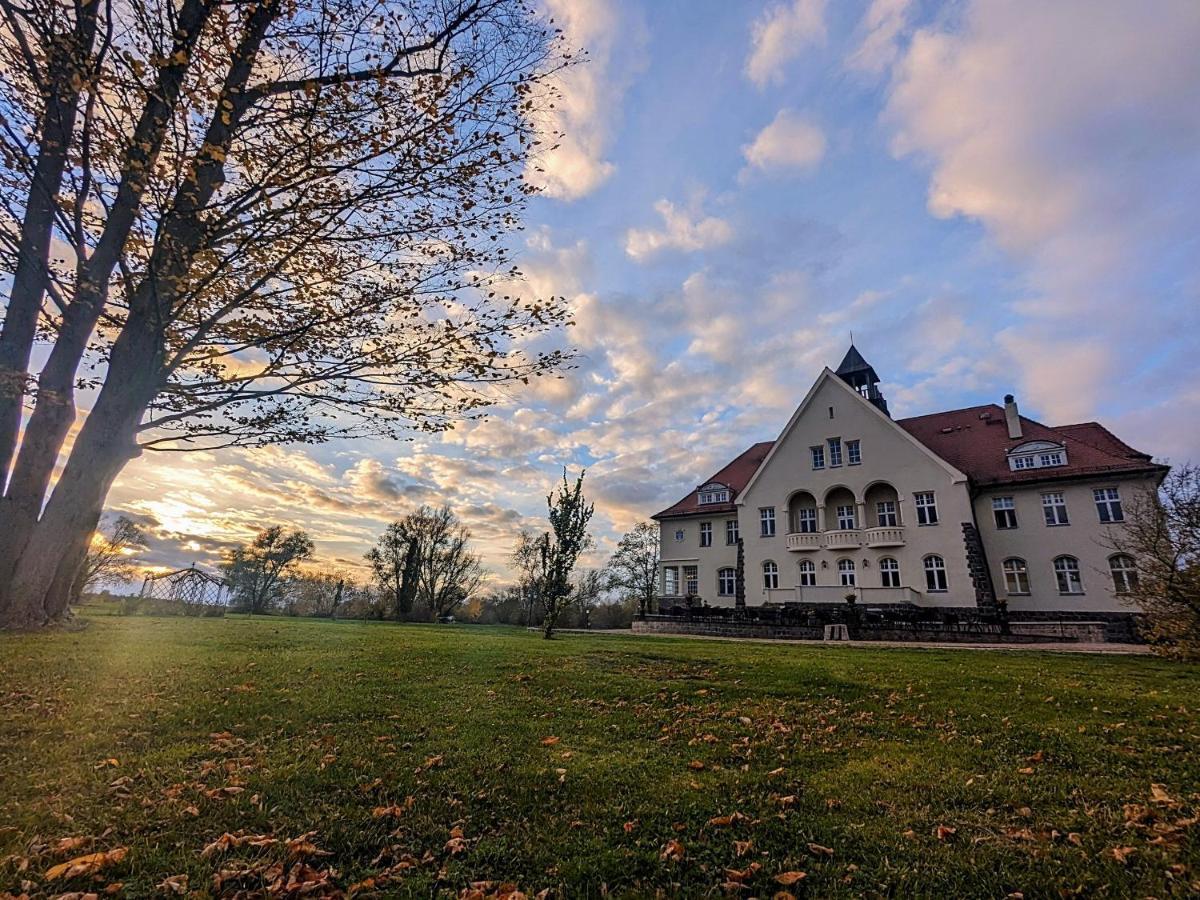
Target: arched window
x: 935, y: 574
x: 770, y: 575
x: 1124, y: 573
x: 726, y: 582
x: 808, y: 573
x: 846, y: 572
x: 1016, y: 576
x: 1066, y: 571
x: 889, y: 572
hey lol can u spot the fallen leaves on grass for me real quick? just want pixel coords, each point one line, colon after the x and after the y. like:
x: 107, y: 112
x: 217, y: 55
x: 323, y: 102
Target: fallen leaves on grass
x: 630, y: 826
x: 457, y: 843
x: 550, y: 741
x: 1158, y: 794
x: 229, y: 841
x: 88, y: 864
x: 1122, y: 854
x: 175, y: 884
x: 787, y: 879
x: 818, y: 850
x: 741, y: 848
x: 732, y: 819
x: 944, y: 832
x: 394, y: 811
x: 672, y: 851
x: 695, y: 765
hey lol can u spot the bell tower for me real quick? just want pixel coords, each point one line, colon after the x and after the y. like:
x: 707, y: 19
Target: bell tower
x: 857, y: 372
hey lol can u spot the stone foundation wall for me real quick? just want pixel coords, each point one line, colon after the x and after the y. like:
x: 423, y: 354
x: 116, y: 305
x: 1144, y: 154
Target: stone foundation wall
x: 1019, y: 633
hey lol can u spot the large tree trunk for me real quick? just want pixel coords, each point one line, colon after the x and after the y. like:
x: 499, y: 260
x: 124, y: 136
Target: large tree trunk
x: 45, y: 568
x: 69, y: 56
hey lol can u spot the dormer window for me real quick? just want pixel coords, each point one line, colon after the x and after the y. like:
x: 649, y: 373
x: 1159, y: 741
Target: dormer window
x: 1037, y: 455
x: 713, y: 493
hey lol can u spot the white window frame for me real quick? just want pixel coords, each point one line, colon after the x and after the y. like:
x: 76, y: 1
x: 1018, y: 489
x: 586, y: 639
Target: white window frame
x: 936, y: 581
x: 889, y: 572
x: 1067, y: 576
x: 886, y: 514
x: 808, y: 573
x: 1037, y: 455
x: 726, y: 579
x: 925, y: 503
x: 670, y: 581
x: 770, y: 575
x: 766, y: 521
x: 731, y: 532
x: 691, y: 580
x: 1004, y: 513
x: 847, y: 518
x: 806, y: 520
x: 847, y: 574
x: 854, y: 453
x: 835, y: 452
x: 680, y: 535
x: 706, y: 534
x: 710, y: 494
x: 818, y: 457
x: 1054, y: 509
x: 1123, y: 570
x: 1108, y: 504
x: 1016, y: 576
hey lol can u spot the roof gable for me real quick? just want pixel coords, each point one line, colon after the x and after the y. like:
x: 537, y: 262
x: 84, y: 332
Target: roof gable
x: 828, y: 376
x: 733, y: 476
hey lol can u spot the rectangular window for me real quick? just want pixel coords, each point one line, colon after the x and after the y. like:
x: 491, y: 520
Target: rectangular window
x: 808, y: 574
x: 1054, y: 507
x: 766, y: 519
x: 806, y: 521
x: 691, y: 580
x: 854, y: 452
x: 885, y: 512
x: 731, y: 531
x: 1108, y: 505
x: 671, y: 581
x: 835, y: 452
x: 727, y: 582
x: 845, y: 517
x: 1051, y: 459
x: 1005, y: 511
x: 926, y: 505
x: 818, y: 457
x: 706, y: 534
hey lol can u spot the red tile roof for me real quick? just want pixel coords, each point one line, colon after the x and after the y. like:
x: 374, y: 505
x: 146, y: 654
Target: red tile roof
x: 975, y: 441
x: 734, y: 476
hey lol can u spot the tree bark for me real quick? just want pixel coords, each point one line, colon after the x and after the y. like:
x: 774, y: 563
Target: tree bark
x: 66, y: 75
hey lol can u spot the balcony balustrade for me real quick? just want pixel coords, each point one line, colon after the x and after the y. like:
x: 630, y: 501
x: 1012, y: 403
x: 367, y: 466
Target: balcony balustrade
x: 801, y: 541
x: 842, y: 539
x: 889, y: 536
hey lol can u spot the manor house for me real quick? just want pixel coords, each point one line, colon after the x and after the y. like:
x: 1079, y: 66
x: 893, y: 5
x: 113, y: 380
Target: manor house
x: 951, y: 509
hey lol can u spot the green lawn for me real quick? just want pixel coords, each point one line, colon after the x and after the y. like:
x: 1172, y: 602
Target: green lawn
x: 422, y: 757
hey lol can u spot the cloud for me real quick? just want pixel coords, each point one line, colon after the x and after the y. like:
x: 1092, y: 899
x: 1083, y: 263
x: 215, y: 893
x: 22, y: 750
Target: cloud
x: 1070, y: 131
x: 589, y: 95
x: 684, y: 230
x: 780, y: 34
x: 789, y: 143
x: 881, y: 27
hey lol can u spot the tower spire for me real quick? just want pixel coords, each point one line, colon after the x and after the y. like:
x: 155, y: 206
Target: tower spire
x: 859, y: 374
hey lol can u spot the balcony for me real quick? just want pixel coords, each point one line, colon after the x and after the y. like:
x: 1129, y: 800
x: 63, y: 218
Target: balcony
x: 891, y: 536
x: 801, y: 541
x: 842, y: 539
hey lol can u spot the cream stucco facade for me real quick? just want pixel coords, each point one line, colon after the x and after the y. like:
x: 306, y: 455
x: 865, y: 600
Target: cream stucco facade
x: 893, y: 522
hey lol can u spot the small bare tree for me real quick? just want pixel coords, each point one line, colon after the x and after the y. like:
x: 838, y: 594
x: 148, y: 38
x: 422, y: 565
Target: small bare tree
x: 560, y: 547
x: 396, y: 564
x: 525, y: 559
x: 256, y: 571
x: 633, y: 569
x: 1161, y: 573
x: 108, y: 559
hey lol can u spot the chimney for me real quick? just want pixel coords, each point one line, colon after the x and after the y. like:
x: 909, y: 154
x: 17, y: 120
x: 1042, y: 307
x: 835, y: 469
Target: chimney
x: 1012, y: 418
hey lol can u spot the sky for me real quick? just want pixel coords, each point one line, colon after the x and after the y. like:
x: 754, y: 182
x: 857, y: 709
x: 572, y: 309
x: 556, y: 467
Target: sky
x: 994, y: 196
